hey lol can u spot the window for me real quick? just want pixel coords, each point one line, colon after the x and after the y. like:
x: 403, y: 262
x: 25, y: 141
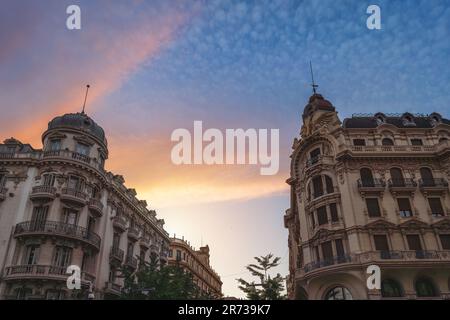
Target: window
x: 436, y: 207
x: 338, y: 293
x: 427, y: 177
x: 62, y: 257
x: 23, y: 293
x: 170, y: 253
x: 70, y: 216
x: 333, y: 212
x: 55, y: 145
x: 2, y: 179
x: 414, y: 242
x: 314, y: 155
x: 404, y: 207
x: 373, y: 208
x: 322, y: 215
x: 313, y: 221
x: 366, y: 177
x: 49, y: 180
x: 31, y: 255
x: 416, y: 142
x: 316, y: 250
x: 381, y: 242
x: 178, y: 255
x: 391, y: 289
x: 443, y: 139
x: 38, y: 218
x: 445, y: 241
x: 327, y: 252
x: 130, y: 249
x: 425, y: 288
x: 387, y: 142
x: 340, y: 252
x: 116, y: 240
x: 329, y: 184
x: 359, y: 142
x: 397, y: 177
x: 55, y: 295
x: 76, y: 183
x: 82, y: 148
x: 318, y: 187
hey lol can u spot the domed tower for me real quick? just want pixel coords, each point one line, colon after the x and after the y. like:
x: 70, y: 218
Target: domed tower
x: 79, y: 135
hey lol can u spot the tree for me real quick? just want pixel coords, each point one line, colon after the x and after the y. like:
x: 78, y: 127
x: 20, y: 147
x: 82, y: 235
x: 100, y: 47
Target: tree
x: 152, y: 282
x: 269, y: 288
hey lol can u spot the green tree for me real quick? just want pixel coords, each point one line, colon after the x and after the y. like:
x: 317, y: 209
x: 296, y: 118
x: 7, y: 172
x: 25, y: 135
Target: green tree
x: 269, y: 288
x: 152, y: 282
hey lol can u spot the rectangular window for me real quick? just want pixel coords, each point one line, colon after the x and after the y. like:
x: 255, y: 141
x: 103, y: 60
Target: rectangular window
x: 31, y: 255
x: 116, y: 240
x: 340, y: 252
x: 76, y: 183
x: 316, y: 249
x: 39, y: 218
x: 373, y: 208
x: 334, y: 212
x: 313, y: 221
x: 2, y: 179
x: 170, y: 253
x: 62, y: 257
x: 55, y: 145
x: 314, y: 155
x: 70, y: 217
x: 414, y: 242
x: 327, y: 251
x: 359, y: 142
x: 49, y: 180
x: 381, y: 242
x: 82, y: 148
x: 130, y: 249
x: 404, y: 207
x: 445, y: 241
x: 322, y: 215
x: 416, y: 142
x: 436, y: 207
x: 318, y: 187
x: 178, y: 255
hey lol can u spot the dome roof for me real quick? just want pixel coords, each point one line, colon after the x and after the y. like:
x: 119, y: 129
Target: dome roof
x: 79, y: 121
x: 317, y: 102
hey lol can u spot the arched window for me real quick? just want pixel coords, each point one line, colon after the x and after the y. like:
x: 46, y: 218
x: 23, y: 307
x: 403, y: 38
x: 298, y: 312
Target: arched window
x: 366, y: 177
x: 387, y: 142
x: 338, y: 293
x: 397, y: 177
x: 443, y: 139
x: 329, y: 184
x: 391, y: 289
x: 425, y: 288
x: 427, y: 176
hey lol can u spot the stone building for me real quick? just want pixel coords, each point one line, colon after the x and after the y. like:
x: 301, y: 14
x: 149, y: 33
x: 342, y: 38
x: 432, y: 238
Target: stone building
x: 60, y: 207
x: 370, y: 190
x: 197, y: 263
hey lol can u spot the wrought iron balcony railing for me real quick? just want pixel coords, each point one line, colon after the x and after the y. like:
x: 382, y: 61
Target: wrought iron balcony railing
x: 57, y: 228
x: 371, y: 183
x: 433, y: 183
x: 402, y: 183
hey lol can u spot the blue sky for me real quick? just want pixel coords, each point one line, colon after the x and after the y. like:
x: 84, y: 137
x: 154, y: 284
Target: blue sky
x: 157, y: 66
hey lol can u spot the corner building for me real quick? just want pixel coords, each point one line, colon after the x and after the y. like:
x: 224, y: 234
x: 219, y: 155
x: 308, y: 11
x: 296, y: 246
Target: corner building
x: 371, y: 190
x: 196, y: 262
x: 60, y: 207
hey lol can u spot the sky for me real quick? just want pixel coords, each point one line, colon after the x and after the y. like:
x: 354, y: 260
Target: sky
x: 156, y: 66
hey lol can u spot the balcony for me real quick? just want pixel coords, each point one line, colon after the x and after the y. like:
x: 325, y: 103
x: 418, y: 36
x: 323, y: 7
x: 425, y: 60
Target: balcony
x: 393, y: 149
x: 67, y: 154
x: 3, y: 193
x: 74, y: 196
x: 96, y: 206
x: 120, y: 223
x: 44, y: 193
x: 52, y: 228
x: 398, y: 185
x: 47, y: 272
x: 385, y: 258
x: 319, y: 159
x: 116, y: 255
x: 113, y: 288
x: 371, y: 186
x: 433, y: 185
x: 131, y: 262
x: 133, y: 233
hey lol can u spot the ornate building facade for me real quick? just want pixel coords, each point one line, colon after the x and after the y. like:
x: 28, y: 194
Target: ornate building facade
x: 371, y: 190
x: 197, y: 263
x: 60, y: 207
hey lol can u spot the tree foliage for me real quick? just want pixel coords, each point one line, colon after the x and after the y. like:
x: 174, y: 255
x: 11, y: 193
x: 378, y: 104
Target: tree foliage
x: 268, y: 288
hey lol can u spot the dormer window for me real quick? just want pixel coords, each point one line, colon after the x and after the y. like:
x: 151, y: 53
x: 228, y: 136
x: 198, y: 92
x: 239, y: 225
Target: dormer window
x: 408, y: 120
x: 435, y: 119
x: 380, y: 118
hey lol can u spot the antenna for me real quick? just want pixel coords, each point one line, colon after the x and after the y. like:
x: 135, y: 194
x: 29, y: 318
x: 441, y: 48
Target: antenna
x: 85, y: 97
x: 314, y: 85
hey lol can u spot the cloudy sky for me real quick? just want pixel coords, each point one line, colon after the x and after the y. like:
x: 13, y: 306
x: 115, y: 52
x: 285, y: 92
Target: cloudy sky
x: 157, y: 66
